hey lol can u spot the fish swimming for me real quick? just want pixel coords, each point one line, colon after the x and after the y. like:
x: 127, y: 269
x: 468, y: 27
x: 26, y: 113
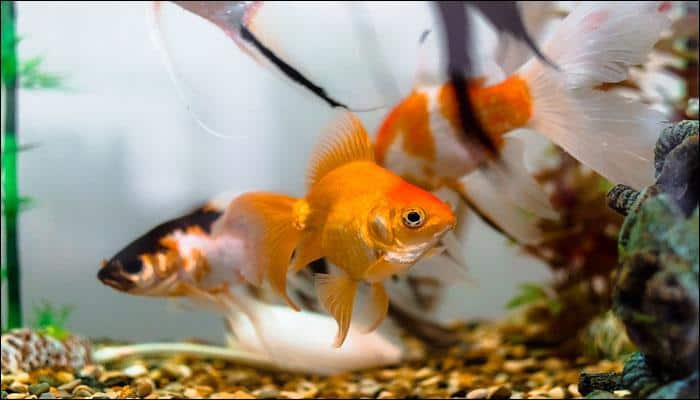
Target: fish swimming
x: 595, y: 44
x: 180, y: 259
x: 364, y: 219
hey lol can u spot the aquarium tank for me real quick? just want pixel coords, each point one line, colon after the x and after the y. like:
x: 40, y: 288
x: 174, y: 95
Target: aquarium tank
x: 450, y: 199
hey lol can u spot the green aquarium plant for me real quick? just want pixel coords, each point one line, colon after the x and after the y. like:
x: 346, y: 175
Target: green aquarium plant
x: 26, y: 74
x: 51, y: 321
x: 10, y: 192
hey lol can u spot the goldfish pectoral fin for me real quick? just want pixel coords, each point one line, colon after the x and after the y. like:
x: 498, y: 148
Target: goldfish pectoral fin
x: 308, y: 251
x: 337, y: 294
x: 344, y: 141
x: 269, y: 222
x: 377, y: 308
x: 435, y: 251
x: 382, y: 269
x: 497, y: 210
x: 511, y: 176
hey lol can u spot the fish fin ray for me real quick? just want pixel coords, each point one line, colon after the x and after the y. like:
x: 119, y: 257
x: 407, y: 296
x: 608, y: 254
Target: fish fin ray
x: 497, y: 210
x: 377, y: 308
x: 512, y: 177
x: 344, y: 141
x: 308, y: 251
x: 337, y: 294
x: 268, y: 221
x: 597, y: 44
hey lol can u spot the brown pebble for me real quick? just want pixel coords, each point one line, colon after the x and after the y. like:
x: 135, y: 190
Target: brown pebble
x: 19, y: 387
x: 478, y: 394
x: 83, y: 391
x: 499, y: 392
x: 135, y: 371
x: 16, y: 395
x: 519, y: 366
x: 70, y: 385
x: 114, y: 378
x: 423, y: 373
x: 99, y: 395
x: 622, y: 393
x: 573, y: 390
x: 557, y: 393
x: 93, y: 371
x: 385, y: 394
x: 143, y: 387
x: 242, y: 395
x: 287, y: 394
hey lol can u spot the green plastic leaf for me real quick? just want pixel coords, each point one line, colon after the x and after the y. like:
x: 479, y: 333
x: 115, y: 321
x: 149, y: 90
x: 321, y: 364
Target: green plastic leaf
x: 529, y: 293
x: 3, y: 273
x: 32, y: 77
x: 51, y: 321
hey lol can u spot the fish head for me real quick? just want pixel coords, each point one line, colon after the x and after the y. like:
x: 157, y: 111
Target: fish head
x: 411, y: 220
x: 154, y: 274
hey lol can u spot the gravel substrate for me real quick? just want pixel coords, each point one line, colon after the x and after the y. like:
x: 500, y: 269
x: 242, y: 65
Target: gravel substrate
x: 481, y: 366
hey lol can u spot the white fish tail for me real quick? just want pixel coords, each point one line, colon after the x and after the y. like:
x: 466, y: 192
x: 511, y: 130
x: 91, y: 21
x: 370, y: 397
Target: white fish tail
x: 596, y: 44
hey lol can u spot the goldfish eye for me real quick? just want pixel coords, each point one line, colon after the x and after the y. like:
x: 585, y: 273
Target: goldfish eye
x: 413, y: 218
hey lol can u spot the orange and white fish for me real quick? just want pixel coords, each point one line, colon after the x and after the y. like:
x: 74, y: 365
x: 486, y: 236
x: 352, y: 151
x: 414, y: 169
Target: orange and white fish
x: 595, y: 44
x: 364, y: 219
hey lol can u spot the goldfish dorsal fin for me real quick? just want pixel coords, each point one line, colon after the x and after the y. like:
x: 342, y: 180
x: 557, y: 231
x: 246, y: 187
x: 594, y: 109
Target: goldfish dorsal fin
x: 344, y: 141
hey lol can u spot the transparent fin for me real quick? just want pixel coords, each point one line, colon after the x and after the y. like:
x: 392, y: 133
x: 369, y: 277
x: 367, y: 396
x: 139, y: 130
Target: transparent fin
x: 337, y: 293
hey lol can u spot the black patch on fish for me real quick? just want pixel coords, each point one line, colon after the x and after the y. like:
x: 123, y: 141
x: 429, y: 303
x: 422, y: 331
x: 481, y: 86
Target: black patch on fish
x: 505, y: 16
x: 291, y: 72
x: 319, y: 266
x: 129, y: 259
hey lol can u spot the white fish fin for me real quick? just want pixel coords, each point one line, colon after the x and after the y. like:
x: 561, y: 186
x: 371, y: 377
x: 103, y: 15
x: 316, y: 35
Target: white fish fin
x: 371, y: 309
x: 497, y: 209
x: 294, y: 339
x: 456, y: 253
x: 598, y: 43
x: 337, y: 293
x: 344, y: 141
x: 511, y: 176
x: 443, y: 269
x: 537, y: 17
x: 426, y: 74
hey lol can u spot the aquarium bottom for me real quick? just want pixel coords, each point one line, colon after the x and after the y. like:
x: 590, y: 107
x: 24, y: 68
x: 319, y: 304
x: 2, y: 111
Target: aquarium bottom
x: 485, y: 364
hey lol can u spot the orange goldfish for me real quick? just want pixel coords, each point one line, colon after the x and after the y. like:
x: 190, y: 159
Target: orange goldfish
x: 595, y: 44
x: 363, y: 218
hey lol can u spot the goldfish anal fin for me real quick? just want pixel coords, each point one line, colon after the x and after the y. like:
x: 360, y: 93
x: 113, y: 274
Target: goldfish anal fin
x: 344, y: 141
x: 337, y: 294
x: 378, y: 306
x: 308, y: 251
x: 268, y: 220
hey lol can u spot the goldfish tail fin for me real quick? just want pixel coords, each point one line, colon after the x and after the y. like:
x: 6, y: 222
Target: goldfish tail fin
x: 597, y: 44
x: 337, y: 295
x: 510, y: 175
x: 273, y: 228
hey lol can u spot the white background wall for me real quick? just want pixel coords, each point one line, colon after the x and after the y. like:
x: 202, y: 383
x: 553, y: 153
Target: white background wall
x: 119, y: 154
